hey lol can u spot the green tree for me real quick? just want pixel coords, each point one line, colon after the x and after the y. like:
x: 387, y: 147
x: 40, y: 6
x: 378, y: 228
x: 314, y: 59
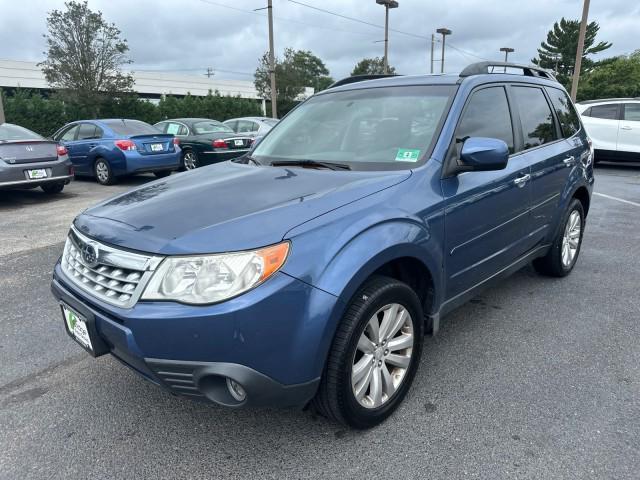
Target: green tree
x: 558, y: 52
x: 612, y: 77
x: 297, y: 69
x: 371, y: 66
x: 84, y: 57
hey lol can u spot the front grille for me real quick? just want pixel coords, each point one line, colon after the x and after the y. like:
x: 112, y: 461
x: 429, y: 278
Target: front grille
x: 176, y: 377
x: 111, y: 275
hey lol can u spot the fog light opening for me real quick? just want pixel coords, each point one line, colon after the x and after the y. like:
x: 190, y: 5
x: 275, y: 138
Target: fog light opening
x: 236, y: 390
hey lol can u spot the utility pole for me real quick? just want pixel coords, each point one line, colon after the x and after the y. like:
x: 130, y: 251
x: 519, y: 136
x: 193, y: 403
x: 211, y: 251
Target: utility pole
x: 387, y: 5
x: 210, y: 73
x: 272, y: 64
x: 433, y: 44
x: 444, y: 32
x: 2, y: 119
x: 507, y: 51
x: 580, y: 51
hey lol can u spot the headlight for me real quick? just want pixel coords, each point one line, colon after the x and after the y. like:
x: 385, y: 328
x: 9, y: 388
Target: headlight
x: 212, y: 278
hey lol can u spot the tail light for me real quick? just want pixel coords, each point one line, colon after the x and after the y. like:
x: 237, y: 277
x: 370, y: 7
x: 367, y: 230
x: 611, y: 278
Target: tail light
x: 176, y: 141
x: 125, y: 145
x: 62, y: 150
x: 219, y: 144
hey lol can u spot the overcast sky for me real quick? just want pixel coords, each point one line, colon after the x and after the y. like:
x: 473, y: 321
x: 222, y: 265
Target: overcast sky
x: 187, y: 36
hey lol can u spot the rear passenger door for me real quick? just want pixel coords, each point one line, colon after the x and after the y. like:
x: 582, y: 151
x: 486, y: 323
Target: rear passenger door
x: 486, y: 212
x: 629, y: 136
x: 544, y: 148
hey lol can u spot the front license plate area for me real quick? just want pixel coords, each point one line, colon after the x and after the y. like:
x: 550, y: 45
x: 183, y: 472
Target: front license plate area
x: 37, y: 174
x: 82, y: 330
x: 156, y: 147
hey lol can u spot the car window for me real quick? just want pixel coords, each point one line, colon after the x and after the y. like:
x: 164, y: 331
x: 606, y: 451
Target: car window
x: 131, y: 127
x: 538, y: 127
x: 14, y: 132
x: 87, y: 131
x: 632, y: 112
x: 232, y: 124
x: 210, y: 126
x: 488, y: 103
x: 271, y: 121
x: 565, y: 111
x: 176, y: 129
x: 386, y: 128
x: 608, y: 111
x: 162, y: 126
x: 70, y: 134
x: 247, y: 126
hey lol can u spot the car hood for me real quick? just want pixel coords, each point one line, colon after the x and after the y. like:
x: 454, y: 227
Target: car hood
x: 226, y: 207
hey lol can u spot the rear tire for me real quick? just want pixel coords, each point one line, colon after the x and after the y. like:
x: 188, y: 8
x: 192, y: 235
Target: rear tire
x: 190, y: 160
x: 162, y: 173
x: 103, y: 172
x: 52, y: 188
x: 370, y: 368
x: 563, y: 254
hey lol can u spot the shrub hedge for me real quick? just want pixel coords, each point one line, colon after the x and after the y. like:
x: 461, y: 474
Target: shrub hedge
x: 46, y: 114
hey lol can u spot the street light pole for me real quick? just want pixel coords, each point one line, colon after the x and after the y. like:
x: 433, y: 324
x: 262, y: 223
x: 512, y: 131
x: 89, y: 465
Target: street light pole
x: 272, y: 64
x: 580, y: 51
x: 507, y: 51
x: 444, y: 32
x: 433, y: 44
x: 387, y: 5
x: 2, y: 119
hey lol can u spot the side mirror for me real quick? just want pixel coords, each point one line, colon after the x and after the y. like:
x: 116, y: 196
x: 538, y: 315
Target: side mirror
x: 481, y: 154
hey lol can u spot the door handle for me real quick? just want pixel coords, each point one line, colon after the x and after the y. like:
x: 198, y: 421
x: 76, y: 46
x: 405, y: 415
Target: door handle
x: 626, y: 127
x: 521, y: 181
x: 569, y: 161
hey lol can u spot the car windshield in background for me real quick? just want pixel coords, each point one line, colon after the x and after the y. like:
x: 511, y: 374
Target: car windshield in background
x: 385, y: 128
x: 131, y: 127
x: 202, y: 128
x: 10, y: 133
x: 271, y: 122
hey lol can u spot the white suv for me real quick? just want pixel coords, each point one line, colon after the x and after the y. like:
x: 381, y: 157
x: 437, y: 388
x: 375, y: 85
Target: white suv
x: 614, y: 127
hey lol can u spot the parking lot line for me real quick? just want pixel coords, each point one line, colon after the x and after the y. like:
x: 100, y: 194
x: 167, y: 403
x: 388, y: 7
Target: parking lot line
x: 616, y: 198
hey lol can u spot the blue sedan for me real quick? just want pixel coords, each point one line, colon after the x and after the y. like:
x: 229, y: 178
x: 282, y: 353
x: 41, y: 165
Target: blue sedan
x: 108, y: 149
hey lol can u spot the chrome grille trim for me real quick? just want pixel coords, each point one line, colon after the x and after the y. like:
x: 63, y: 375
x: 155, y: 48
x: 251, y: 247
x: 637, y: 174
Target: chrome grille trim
x: 117, y: 277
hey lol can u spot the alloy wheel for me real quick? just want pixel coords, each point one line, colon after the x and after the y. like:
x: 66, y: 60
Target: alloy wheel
x: 190, y: 161
x: 383, y: 356
x: 571, y: 238
x: 102, y: 172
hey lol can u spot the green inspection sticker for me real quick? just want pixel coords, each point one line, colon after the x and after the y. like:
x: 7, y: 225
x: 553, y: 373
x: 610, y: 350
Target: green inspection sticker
x: 407, y: 155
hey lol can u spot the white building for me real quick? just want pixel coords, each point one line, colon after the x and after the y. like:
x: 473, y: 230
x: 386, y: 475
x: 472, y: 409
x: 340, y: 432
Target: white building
x: 150, y: 85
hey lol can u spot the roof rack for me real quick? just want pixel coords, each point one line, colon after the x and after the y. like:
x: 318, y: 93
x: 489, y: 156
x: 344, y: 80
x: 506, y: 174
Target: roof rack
x: 483, y: 68
x: 361, y: 78
x: 605, y: 100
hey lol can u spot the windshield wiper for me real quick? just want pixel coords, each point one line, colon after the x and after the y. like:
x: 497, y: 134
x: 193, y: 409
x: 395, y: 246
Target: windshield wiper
x: 310, y: 163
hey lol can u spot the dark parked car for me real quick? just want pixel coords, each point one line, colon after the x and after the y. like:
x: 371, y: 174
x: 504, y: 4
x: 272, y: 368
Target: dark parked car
x: 309, y: 270
x: 28, y: 160
x: 205, y: 141
x: 251, y: 126
x: 110, y: 148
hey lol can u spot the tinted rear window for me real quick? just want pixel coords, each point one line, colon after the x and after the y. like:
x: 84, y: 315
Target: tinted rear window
x: 14, y: 132
x: 565, y: 112
x: 131, y: 127
x: 538, y: 127
x: 607, y: 112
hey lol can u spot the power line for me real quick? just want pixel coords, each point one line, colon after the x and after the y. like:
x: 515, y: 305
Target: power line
x: 422, y: 37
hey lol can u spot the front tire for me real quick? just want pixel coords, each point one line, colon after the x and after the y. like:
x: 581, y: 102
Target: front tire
x: 563, y: 254
x: 103, y: 172
x: 162, y: 173
x: 375, y: 354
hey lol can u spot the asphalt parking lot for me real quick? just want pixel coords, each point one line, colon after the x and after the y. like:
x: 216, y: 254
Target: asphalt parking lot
x: 536, y: 378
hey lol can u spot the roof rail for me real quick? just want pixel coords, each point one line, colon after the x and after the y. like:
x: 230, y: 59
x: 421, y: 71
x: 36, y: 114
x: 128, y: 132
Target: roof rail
x: 483, y: 68
x: 361, y: 78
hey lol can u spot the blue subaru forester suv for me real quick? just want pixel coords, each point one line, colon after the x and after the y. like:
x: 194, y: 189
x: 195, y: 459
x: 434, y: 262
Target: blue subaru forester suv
x: 308, y: 271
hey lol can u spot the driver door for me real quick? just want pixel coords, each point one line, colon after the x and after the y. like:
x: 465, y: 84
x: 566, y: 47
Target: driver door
x: 486, y: 212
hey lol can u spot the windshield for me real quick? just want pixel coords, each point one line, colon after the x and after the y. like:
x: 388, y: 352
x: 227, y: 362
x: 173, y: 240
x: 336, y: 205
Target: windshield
x: 131, y: 127
x: 202, y: 128
x: 14, y: 132
x: 372, y: 129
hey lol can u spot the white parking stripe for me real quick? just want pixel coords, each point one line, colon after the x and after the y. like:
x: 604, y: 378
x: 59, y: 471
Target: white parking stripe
x: 616, y: 198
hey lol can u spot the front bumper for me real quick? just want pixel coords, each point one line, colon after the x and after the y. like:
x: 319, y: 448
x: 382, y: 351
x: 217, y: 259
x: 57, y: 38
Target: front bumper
x: 271, y: 340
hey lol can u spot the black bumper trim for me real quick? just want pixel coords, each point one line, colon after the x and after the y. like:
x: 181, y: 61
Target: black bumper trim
x: 207, y: 381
